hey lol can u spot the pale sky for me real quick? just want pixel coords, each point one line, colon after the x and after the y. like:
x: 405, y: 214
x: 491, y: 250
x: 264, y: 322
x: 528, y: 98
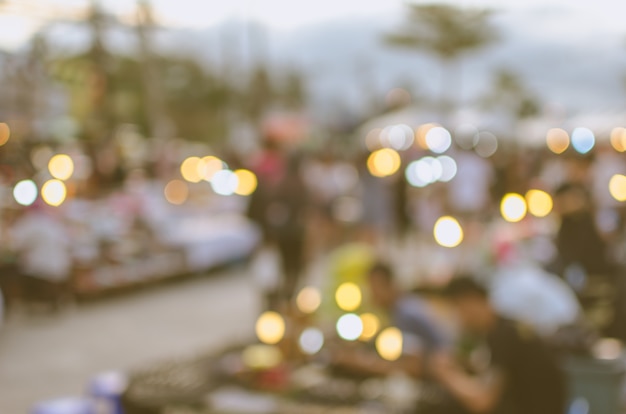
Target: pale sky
x: 16, y: 27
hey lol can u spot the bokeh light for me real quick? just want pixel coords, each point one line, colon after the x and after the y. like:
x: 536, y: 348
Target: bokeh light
x: 176, y: 192
x: 247, y: 182
x: 372, y: 139
x: 420, y: 135
x: 371, y: 324
x: 389, y: 344
x: 348, y: 296
x: 399, y: 137
x: 384, y: 162
x: 308, y: 300
x: 261, y: 356
x: 311, y: 341
x: 557, y: 140
x: 448, y: 232
x: 583, y: 140
x: 208, y: 166
x: 5, y: 133
x: 270, y: 328
x: 189, y: 170
x: 485, y: 144
x: 513, y: 207
x: 617, y: 187
x: 61, y: 166
x: 539, y: 203
x: 349, y: 327
x: 618, y: 139
x: 25, y: 192
x: 438, y: 139
x: 225, y: 182
x: 54, y: 192
x: 464, y: 135
x: 448, y: 168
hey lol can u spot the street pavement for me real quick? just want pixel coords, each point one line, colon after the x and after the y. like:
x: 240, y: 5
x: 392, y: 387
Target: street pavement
x: 46, y: 356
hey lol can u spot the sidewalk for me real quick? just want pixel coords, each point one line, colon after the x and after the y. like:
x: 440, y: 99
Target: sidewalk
x: 44, y: 357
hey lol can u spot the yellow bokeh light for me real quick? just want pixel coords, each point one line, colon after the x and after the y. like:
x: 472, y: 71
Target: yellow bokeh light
x: 348, y: 296
x: 389, y: 344
x: 384, y: 162
x: 371, y: 324
x: 448, y: 232
x: 61, y: 166
x: 558, y: 140
x: 618, y: 139
x: 270, y: 328
x: 189, y: 170
x: 54, y: 192
x: 513, y: 207
x: 617, y: 187
x: 176, y: 192
x: 247, y: 182
x: 539, y: 203
x: 5, y: 133
x: 208, y: 166
x: 308, y: 300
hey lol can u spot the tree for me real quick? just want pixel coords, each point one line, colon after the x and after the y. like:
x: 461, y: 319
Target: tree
x: 448, y: 33
x: 511, y: 94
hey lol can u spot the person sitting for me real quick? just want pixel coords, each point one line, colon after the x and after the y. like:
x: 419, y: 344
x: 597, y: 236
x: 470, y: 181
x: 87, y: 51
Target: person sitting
x: 421, y: 332
x: 522, y: 376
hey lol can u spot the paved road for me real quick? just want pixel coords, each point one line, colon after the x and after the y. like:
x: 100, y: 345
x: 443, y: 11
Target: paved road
x: 44, y: 356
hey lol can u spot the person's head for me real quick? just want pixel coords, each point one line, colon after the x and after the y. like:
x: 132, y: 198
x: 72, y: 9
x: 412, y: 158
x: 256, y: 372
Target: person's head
x: 382, y: 285
x: 471, y: 302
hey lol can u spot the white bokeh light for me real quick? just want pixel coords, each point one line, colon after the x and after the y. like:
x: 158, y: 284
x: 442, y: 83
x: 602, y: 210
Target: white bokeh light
x: 438, y: 140
x: 311, y: 341
x: 225, y: 182
x: 583, y: 140
x: 25, y: 192
x: 350, y: 327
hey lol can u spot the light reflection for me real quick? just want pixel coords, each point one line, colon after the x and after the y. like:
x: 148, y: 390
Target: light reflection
x: 54, y: 192
x: 513, y: 207
x: 176, y: 192
x: 25, y: 192
x: 557, y: 140
x: 389, y: 344
x: 464, y: 136
x: 448, y: 232
x: 349, y: 327
x: 61, y: 166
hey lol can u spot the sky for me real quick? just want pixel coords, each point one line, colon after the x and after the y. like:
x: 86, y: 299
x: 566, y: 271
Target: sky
x: 283, y: 15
